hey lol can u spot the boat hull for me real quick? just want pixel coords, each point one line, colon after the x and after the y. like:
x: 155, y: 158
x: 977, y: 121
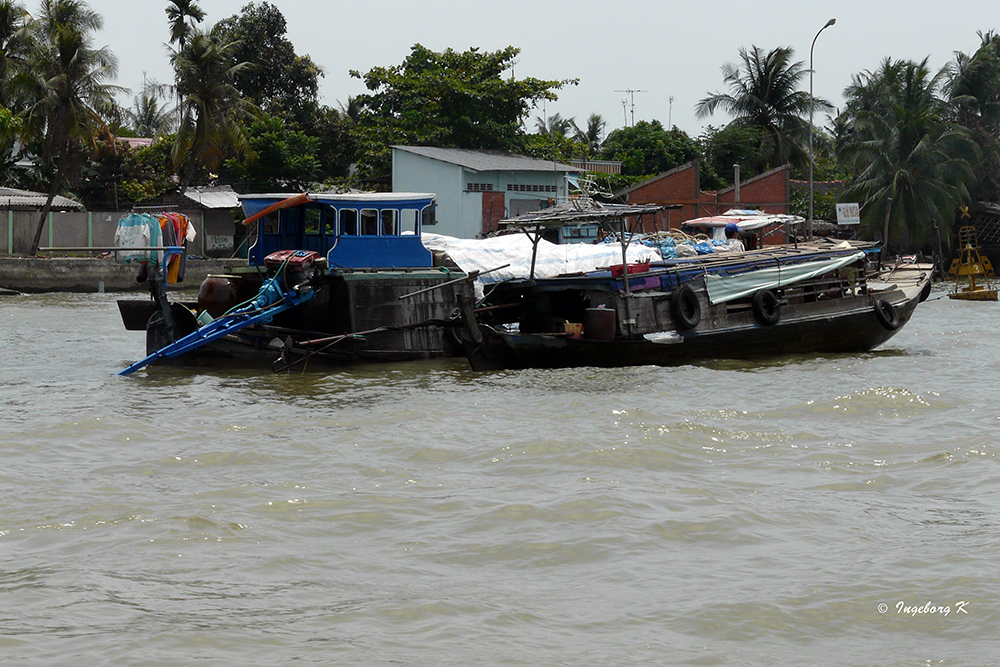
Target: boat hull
x: 354, y: 317
x: 849, y: 324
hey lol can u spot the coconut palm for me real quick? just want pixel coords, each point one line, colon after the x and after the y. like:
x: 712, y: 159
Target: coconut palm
x: 911, y: 163
x: 65, y: 86
x: 211, y: 109
x: 183, y: 15
x: 972, y: 86
x: 593, y: 135
x: 554, y: 124
x: 763, y: 93
x: 147, y: 117
x: 14, y: 40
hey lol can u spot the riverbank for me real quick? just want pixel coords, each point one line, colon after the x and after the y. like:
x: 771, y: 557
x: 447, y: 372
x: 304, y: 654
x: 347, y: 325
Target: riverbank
x: 94, y: 274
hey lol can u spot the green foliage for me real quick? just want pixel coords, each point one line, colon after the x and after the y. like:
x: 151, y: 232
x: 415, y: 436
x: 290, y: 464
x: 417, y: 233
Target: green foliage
x: 279, y: 159
x: 609, y: 184
x: 449, y: 99
x: 730, y: 145
x: 117, y: 176
x: 10, y: 125
x: 147, y: 117
x: 336, y: 147
x: 907, y: 159
x: 65, y: 85
x: 824, y: 204
x: 592, y: 136
x: 648, y: 149
x: 973, y: 90
x: 212, y: 111
x: 14, y: 47
x: 763, y: 95
x: 555, y: 124
x: 183, y: 15
x: 551, y: 146
x: 274, y: 78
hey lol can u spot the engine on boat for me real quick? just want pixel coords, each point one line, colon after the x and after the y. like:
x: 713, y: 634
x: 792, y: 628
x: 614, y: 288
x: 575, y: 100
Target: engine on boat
x: 218, y: 294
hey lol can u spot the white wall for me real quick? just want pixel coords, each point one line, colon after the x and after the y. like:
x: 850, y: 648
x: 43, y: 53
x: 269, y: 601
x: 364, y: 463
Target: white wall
x: 460, y: 213
x: 415, y: 173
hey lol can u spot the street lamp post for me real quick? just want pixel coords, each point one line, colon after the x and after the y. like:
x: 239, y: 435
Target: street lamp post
x: 809, y: 232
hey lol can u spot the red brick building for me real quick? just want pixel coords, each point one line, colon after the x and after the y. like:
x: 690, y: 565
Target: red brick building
x: 768, y: 192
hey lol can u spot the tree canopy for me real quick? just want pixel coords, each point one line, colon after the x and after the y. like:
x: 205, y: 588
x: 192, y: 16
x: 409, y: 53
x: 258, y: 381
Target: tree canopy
x: 451, y: 99
x: 909, y: 160
x: 274, y: 77
x: 646, y: 148
x: 764, y: 94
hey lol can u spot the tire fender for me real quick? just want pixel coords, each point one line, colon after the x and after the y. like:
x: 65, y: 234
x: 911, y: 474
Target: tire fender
x: 886, y: 314
x: 685, y: 308
x: 766, y: 307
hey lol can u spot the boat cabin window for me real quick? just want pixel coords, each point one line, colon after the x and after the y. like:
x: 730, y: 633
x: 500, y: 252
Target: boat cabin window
x: 329, y: 220
x: 428, y: 217
x: 408, y: 221
x: 369, y: 222
x: 348, y: 222
x: 312, y: 218
x: 389, y: 221
x: 271, y: 223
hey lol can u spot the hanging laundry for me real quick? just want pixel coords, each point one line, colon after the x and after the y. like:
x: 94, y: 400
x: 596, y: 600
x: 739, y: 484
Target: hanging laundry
x: 138, y: 231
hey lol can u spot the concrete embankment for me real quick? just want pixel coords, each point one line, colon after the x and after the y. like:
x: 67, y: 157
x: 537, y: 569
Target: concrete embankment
x: 88, y: 274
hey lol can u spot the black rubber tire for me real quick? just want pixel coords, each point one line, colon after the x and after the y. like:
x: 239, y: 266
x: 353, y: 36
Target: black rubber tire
x: 886, y: 314
x: 684, y: 308
x: 766, y: 307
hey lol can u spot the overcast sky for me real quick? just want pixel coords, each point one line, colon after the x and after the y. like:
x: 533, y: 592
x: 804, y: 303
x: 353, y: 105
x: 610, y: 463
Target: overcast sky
x: 667, y: 50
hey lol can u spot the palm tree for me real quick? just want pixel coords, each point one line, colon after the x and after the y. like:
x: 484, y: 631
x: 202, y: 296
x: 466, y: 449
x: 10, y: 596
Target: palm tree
x: 555, y: 124
x: 211, y: 108
x: 183, y: 15
x: 764, y: 94
x: 147, y: 117
x: 66, y: 88
x: 14, y: 42
x: 593, y: 135
x: 972, y: 85
x: 912, y: 165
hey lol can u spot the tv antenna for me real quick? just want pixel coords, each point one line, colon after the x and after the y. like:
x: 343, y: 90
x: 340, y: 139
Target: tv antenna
x: 631, y: 93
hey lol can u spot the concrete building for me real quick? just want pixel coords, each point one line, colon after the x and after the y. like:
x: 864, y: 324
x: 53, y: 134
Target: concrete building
x: 477, y: 188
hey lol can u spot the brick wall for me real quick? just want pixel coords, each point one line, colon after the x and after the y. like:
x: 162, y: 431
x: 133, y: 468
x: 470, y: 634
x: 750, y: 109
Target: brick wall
x: 767, y: 192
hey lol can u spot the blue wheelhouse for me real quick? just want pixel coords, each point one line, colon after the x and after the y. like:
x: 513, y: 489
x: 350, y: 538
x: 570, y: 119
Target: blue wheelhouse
x: 353, y: 231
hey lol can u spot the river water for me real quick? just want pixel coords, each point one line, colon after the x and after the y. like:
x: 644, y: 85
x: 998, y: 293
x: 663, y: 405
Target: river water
x: 838, y: 510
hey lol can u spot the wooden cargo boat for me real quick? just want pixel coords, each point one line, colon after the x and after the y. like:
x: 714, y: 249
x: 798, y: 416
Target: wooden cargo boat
x: 332, y: 278
x: 821, y: 297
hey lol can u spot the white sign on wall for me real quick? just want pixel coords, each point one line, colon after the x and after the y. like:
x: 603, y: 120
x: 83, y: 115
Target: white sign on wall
x: 215, y: 242
x: 848, y: 214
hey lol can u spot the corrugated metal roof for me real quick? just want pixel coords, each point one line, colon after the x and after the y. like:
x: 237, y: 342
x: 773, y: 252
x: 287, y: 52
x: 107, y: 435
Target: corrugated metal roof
x: 484, y: 160
x: 214, y: 198
x: 581, y: 210
x: 11, y: 197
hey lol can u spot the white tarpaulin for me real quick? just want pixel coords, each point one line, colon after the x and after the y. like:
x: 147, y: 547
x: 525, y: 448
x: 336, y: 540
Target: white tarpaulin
x: 727, y: 288
x: 515, y: 249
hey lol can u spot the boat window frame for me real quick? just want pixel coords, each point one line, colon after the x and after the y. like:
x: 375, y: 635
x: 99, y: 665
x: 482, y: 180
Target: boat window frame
x: 341, y: 215
x: 371, y: 223
x: 392, y: 224
x: 311, y: 226
x: 409, y: 221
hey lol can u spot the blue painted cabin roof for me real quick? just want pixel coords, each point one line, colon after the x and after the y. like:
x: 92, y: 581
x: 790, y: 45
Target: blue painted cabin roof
x: 360, y: 230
